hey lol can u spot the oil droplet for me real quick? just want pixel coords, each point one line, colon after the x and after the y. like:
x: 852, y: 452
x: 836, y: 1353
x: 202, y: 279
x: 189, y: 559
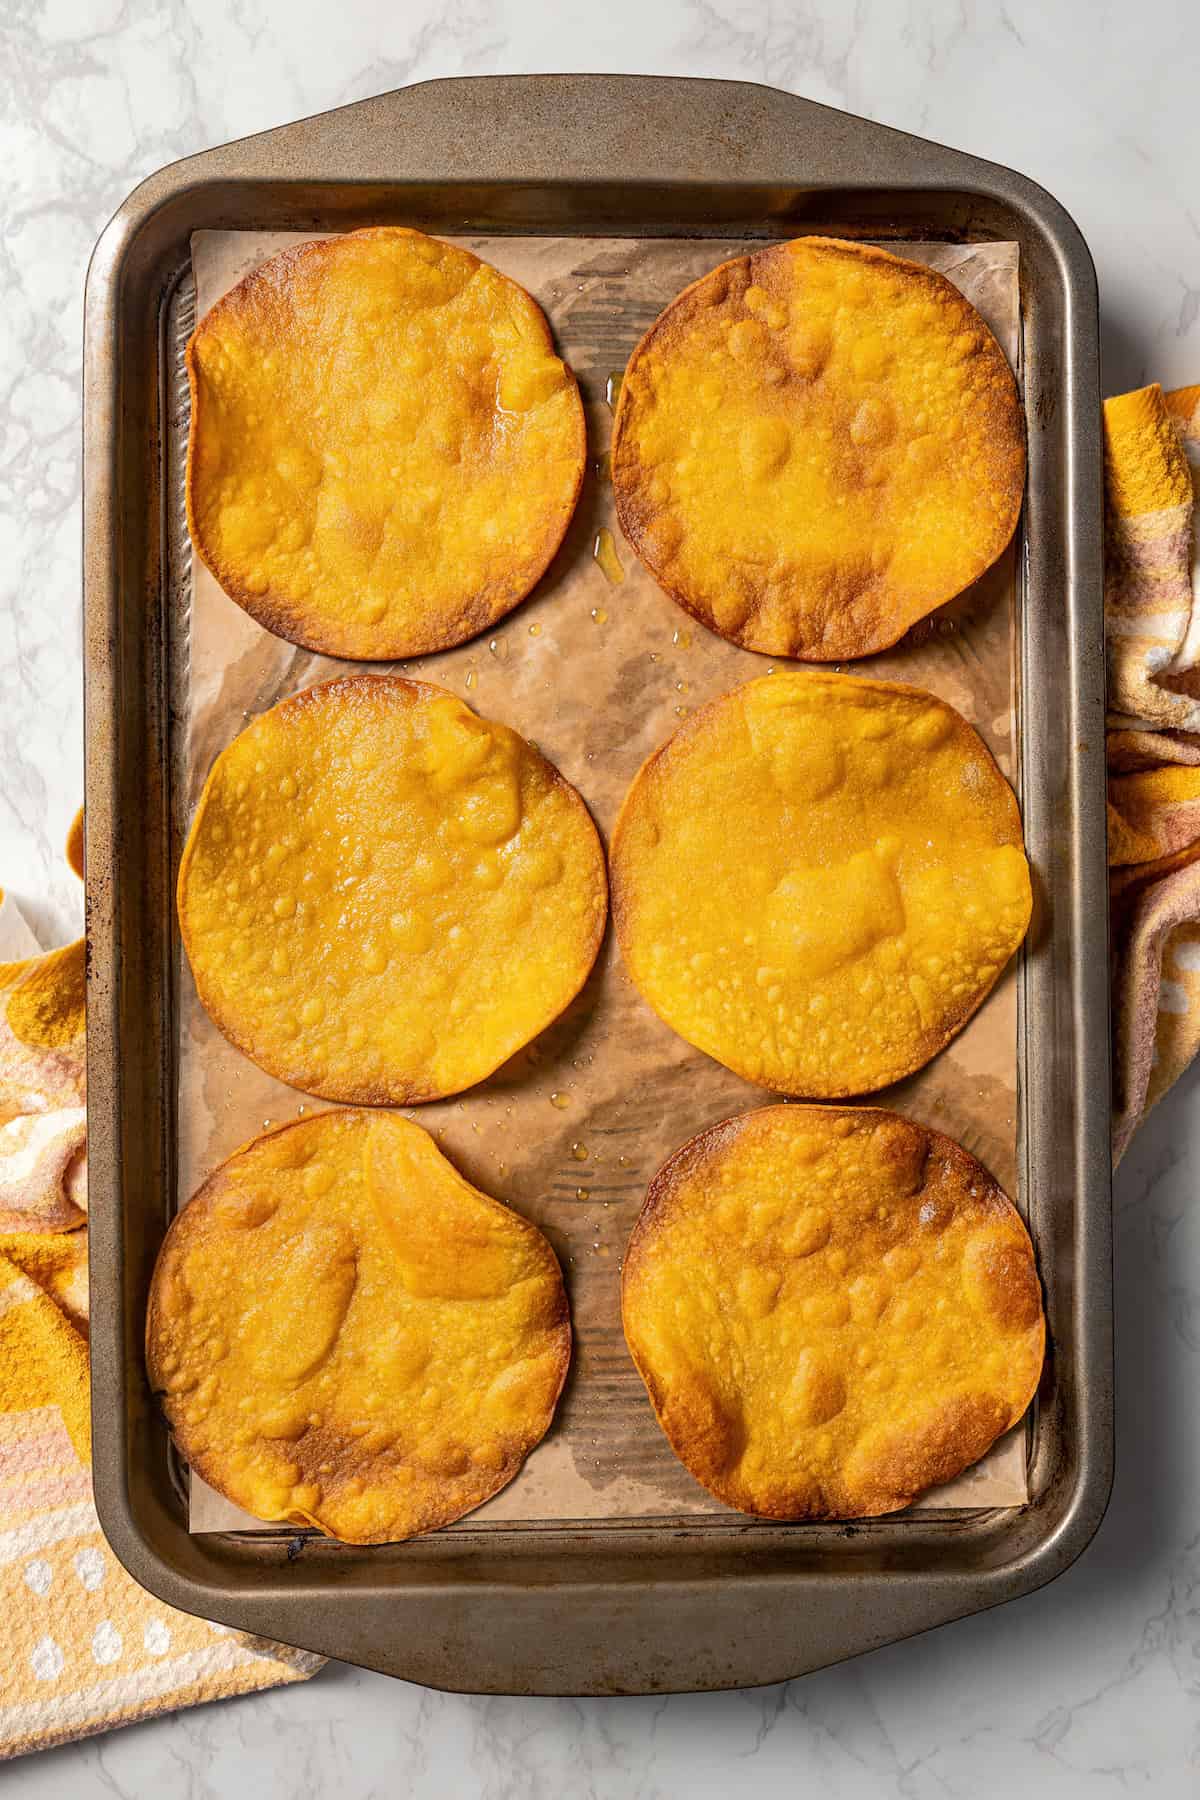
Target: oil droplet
x: 681, y: 712
x: 581, y: 1193
x: 603, y: 466
x: 654, y: 656
x: 502, y: 1168
x: 682, y: 638
x: 470, y: 682
x: 604, y: 550
x: 498, y: 648
x: 267, y: 1124
x: 612, y: 387
x: 302, y: 1109
x: 683, y: 687
x: 560, y: 1100
x: 624, y: 1161
x: 599, y: 615
x: 535, y: 629
x: 579, y: 1152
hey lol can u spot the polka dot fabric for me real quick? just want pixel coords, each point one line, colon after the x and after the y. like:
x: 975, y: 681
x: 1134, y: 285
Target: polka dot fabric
x: 84, y: 1648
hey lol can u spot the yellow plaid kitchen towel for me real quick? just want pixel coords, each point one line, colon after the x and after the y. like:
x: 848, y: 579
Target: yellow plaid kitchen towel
x: 82, y: 1647
x: 1152, y: 618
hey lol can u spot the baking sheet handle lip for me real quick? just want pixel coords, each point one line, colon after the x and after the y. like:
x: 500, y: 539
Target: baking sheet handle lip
x: 900, y: 1605
x: 861, y: 154
x: 1047, y: 1559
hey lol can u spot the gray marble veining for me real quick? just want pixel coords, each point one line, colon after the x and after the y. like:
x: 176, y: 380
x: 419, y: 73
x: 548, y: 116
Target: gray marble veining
x: 1089, y: 1688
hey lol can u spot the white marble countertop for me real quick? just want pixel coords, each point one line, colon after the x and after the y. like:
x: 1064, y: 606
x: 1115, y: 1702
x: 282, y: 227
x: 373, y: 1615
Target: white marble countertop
x: 1089, y: 1688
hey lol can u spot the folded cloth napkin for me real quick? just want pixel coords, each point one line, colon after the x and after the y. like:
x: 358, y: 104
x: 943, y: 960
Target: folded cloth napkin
x: 82, y: 1647
x: 1152, y: 621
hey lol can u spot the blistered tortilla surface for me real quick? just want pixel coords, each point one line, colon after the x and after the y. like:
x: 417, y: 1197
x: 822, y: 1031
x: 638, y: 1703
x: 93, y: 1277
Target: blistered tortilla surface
x: 385, y: 450
x: 833, y: 1309
x: 383, y: 896
x: 818, y: 879
x: 345, y: 1333
x: 816, y: 445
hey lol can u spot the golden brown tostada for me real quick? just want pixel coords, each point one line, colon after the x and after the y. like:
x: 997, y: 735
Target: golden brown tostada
x: 818, y: 879
x: 385, y: 449
x: 347, y: 1334
x: 383, y: 896
x: 816, y: 445
x: 833, y: 1309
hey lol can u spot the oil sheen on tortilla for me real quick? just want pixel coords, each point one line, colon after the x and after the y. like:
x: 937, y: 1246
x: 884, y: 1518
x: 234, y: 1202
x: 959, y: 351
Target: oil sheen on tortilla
x: 815, y: 446
x: 818, y: 879
x: 346, y: 1334
x: 385, y: 449
x: 833, y: 1309
x: 383, y: 896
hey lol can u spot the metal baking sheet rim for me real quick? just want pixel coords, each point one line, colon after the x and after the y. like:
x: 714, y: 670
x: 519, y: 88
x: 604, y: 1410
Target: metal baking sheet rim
x: 641, y: 1608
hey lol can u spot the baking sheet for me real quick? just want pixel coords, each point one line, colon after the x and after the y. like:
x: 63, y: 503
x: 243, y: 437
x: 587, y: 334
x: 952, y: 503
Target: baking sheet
x: 598, y: 673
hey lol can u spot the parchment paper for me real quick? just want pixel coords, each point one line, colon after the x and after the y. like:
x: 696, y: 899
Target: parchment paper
x: 598, y: 674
